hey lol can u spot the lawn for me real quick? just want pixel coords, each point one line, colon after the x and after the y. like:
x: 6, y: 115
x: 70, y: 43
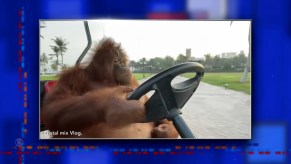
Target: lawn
x: 231, y: 79
x: 218, y: 79
x: 47, y: 77
x: 138, y: 76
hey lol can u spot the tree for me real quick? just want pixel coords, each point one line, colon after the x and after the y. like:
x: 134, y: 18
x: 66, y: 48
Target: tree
x: 54, y: 66
x: 217, y: 62
x: 132, y: 65
x: 158, y: 64
x: 242, y: 59
x: 152, y: 65
x: 43, y: 61
x: 168, y: 61
x: 208, y: 61
x: 235, y: 62
x: 61, y: 45
x: 226, y: 67
x: 56, y: 54
x: 65, y: 66
x: 181, y: 59
x: 143, y: 62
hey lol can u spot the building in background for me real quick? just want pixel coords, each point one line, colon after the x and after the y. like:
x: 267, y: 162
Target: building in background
x: 228, y: 54
x: 188, y: 52
x: 192, y: 58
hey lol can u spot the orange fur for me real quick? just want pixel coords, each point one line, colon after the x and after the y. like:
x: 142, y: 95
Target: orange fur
x: 92, y: 100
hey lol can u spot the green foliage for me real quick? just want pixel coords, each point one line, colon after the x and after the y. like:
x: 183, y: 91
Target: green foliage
x: 154, y: 65
x: 56, y: 54
x: 43, y: 59
x: 59, y: 49
x: 208, y: 62
x: 182, y: 59
x: 54, y: 66
x: 65, y: 66
x: 226, y: 67
x: 218, y: 64
x: 168, y: 62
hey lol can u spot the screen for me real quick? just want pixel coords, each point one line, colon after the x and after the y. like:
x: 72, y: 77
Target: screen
x: 222, y: 47
x: 245, y: 120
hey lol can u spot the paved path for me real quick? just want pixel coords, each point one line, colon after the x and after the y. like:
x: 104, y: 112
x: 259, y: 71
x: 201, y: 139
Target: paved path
x: 218, y: 113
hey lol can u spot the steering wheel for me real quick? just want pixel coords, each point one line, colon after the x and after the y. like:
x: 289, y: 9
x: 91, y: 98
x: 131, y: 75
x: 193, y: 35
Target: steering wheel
x: 168, y: 98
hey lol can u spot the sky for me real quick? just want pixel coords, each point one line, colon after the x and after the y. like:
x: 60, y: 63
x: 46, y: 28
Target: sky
x: 149, y: 38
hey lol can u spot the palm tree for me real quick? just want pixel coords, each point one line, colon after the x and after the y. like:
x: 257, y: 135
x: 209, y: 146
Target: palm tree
x: 54, y: 65
x: 65, y: 66
x: 143, y: 62
x: 132, y: 65
x: 61, y: 45
x: 56, y: 54
x: 43, y: 60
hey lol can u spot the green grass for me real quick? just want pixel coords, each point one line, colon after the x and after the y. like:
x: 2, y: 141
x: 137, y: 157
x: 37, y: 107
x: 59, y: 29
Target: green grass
x: 48, y: 77
x: 232, y: 79
x: 218, y: 79
x: 138, y: 76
